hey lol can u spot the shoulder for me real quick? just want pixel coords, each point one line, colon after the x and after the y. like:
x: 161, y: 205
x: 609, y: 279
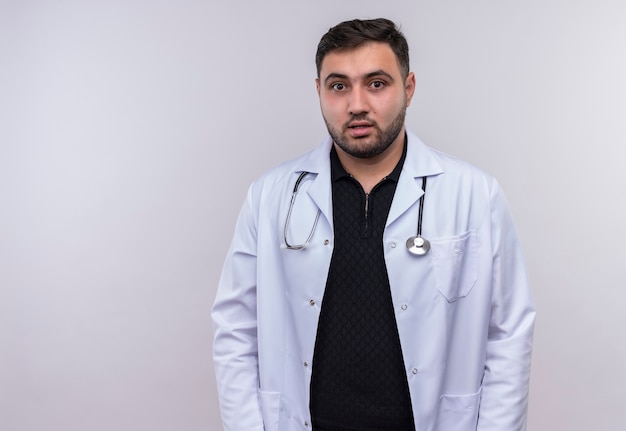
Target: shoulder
x: 283, y: 176
x: 423, y: 160
x: 315, y: 161
x: 459, y: 167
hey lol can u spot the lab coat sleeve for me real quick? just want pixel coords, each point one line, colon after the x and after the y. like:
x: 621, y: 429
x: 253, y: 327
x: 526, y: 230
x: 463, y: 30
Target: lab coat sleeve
x: 504, y: 399
x: 235, y: 352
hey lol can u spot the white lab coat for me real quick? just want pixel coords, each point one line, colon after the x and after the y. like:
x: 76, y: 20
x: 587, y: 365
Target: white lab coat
x: 464, y: 312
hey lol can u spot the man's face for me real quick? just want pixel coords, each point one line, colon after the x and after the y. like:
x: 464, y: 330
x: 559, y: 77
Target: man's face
x: 364, y: 98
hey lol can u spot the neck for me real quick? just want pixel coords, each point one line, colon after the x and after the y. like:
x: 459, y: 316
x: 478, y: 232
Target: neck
x: 370, y: 171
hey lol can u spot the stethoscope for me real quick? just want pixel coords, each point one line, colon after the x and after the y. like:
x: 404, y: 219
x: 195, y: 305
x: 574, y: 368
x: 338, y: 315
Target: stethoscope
x: 287, y: 245
x: 416, y: 245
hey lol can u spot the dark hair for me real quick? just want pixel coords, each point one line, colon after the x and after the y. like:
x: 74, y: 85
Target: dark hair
x: 350, y: 35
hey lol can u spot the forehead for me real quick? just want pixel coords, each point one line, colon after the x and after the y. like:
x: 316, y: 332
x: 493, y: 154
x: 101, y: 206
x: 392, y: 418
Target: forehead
x: 360, y: 61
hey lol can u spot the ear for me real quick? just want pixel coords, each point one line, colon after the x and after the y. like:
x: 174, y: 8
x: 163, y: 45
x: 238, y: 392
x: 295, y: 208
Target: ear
x: 317, y: 85
x: 409, y: 87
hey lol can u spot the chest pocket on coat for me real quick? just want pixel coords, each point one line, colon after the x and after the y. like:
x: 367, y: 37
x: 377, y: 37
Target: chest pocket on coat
x: 455, y: 261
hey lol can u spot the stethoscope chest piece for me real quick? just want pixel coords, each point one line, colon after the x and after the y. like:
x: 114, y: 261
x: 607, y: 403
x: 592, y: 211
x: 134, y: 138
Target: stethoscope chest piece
x: 417, y: 245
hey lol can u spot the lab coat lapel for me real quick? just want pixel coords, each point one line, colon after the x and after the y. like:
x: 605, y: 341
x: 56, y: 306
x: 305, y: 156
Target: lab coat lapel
x: 407, y: 194
x: 319, y: 190
x: 420, y: 162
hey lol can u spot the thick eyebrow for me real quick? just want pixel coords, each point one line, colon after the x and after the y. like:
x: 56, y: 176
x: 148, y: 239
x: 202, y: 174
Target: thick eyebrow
x: 369, y: 75
x: 379, y: 72
x: 335, y: 75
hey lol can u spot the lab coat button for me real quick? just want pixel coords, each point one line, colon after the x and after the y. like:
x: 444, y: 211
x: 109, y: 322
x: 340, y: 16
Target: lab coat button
x: 393, y: 245
x: 404, y: 306
x: 306, y: 364
x: 415, y: 371
x: 326, y: 242
x: 312, y: 302
x: 306, y: 424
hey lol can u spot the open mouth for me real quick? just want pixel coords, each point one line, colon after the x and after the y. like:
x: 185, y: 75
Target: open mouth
x: 359, y: 125
x: 359, y: 130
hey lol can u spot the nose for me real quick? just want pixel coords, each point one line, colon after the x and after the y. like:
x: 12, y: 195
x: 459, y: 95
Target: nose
x: 358, y: 103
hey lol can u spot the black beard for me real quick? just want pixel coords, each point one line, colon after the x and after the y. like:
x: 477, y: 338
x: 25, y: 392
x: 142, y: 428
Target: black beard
x: 385, y: 137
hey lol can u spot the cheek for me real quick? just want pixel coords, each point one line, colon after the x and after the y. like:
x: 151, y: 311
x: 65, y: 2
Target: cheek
x: 388, y: 108
x: 331, y: 109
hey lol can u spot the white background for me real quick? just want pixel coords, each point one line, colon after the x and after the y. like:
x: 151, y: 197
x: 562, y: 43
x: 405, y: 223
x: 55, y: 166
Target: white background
x: 130, y: 130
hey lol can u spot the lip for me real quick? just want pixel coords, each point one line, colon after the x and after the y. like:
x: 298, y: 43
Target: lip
x: 359, y: 124
x: 360, y: 128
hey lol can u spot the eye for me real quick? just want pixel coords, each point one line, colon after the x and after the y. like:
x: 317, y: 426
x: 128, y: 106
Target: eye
x: 338, y: 86
x: 377, y: 84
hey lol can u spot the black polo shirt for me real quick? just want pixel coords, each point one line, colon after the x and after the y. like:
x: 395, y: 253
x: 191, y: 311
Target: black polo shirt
x: 359, y: 380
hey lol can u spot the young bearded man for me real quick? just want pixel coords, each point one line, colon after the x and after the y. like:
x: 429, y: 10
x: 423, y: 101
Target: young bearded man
x: 373, y: 283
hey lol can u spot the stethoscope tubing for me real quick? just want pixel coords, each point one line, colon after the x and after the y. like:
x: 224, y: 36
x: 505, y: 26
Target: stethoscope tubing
x: 306, y: 243
x: 416, y: 245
